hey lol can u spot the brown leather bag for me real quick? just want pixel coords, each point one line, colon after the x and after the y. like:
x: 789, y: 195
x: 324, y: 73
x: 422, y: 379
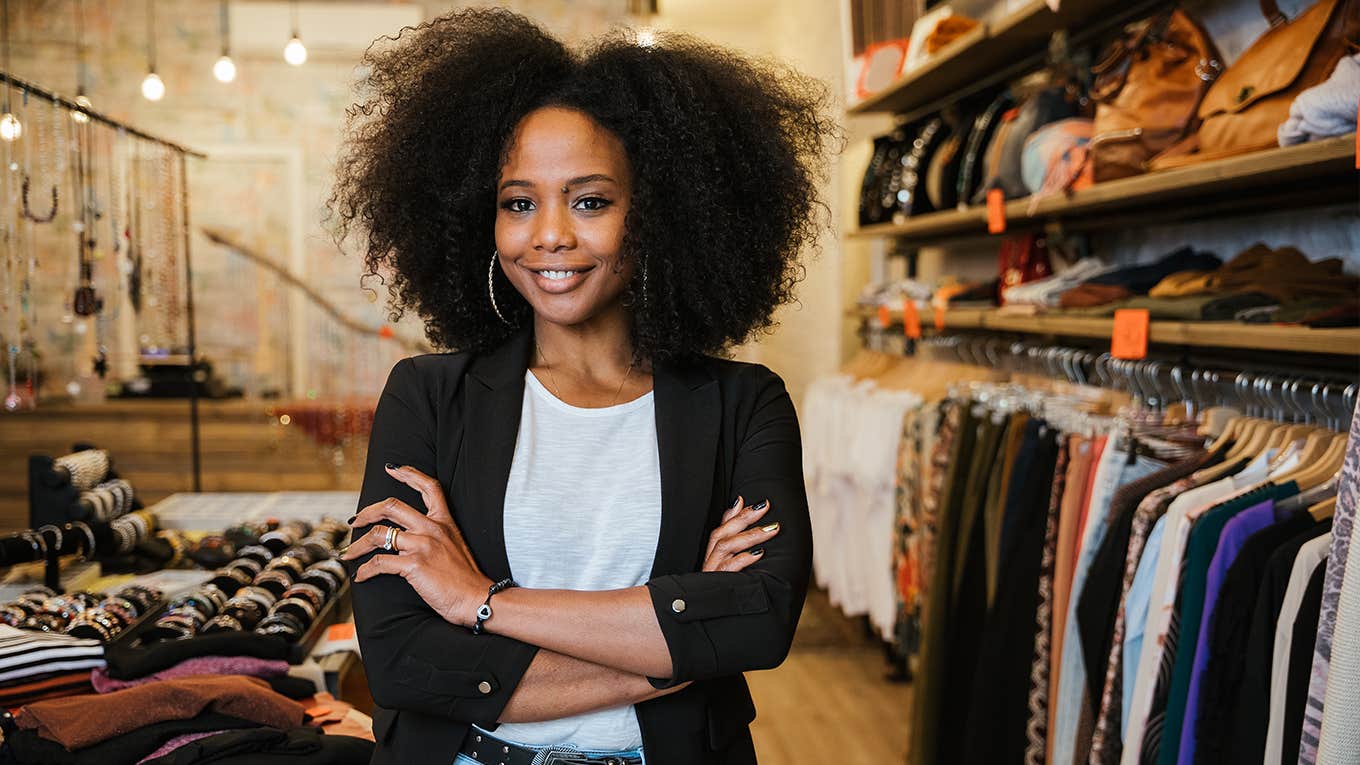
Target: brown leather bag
x: 1148, y: 87
x: 1244, y: 109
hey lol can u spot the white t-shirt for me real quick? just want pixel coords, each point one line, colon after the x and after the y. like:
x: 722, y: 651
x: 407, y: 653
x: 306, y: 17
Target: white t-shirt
x: 582, y: 512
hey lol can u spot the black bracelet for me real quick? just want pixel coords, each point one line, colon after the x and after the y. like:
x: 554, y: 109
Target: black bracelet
x: 484, y: 610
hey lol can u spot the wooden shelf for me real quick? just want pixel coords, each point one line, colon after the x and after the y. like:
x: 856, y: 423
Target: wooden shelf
x: 995, y: 44
x: 1306, y: 174
x: 1206, y: 334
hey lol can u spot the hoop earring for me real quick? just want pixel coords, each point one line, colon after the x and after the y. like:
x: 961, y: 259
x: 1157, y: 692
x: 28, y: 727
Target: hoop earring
x: 491, y: 287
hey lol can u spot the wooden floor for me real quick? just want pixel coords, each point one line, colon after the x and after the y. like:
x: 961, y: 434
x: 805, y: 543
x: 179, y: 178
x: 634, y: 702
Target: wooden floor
x: 829, y: 701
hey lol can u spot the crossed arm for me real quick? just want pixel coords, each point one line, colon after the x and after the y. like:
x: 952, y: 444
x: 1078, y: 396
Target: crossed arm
x: 597, y: 648
x: 551, y: 654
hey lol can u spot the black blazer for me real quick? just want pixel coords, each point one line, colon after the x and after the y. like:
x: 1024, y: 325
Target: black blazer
x: 723, y: 428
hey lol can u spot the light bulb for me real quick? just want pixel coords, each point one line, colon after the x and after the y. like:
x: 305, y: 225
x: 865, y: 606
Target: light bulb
x: 152, y: 87
x: 295, y: 52
x: 10, y: 127
x: 225, y: 69
x: 77, y: 114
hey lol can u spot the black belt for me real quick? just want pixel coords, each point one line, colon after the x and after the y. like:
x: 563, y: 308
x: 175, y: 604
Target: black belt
x: 489, y: 750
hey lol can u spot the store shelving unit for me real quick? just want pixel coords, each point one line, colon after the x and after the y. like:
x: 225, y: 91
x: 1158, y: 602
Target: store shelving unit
x: 1020, y: 29
x: 1312, y: 173
x: 1206, y: 334
x: 1012, y: 42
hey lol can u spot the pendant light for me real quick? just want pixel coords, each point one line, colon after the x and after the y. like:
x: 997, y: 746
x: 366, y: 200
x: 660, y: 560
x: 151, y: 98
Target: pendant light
x: 81, y: 114
x: 10, y: 127
x: 152, y: 87
x: 295, y: 52
x: 225, y: 69
x: 644, y: 11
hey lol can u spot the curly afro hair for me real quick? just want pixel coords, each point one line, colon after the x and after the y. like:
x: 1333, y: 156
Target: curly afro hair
x: 727, y: 153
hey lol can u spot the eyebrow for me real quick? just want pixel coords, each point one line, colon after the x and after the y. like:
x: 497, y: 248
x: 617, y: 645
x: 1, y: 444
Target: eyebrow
x: 573, y: 182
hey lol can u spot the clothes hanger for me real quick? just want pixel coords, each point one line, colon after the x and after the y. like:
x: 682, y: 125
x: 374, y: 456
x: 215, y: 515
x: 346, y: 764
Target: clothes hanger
x: 1323, y: 510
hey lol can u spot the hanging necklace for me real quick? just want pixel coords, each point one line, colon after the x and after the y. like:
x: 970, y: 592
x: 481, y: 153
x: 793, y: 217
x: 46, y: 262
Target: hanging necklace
x: 553, y: 379
x: 42, y: 170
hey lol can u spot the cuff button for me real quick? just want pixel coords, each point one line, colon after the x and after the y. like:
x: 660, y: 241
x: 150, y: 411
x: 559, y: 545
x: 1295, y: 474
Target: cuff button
x: 484, y: 687
x: 678, y: 605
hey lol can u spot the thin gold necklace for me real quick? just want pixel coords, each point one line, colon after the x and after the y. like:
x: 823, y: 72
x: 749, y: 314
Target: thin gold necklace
x: 553, y: 378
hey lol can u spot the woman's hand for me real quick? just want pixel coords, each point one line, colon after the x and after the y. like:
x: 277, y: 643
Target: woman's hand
x: 430, y: 551
x: 731, y: 547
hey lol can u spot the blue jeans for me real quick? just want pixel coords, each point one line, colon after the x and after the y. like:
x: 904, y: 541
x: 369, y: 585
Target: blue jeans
x: 463, y: 759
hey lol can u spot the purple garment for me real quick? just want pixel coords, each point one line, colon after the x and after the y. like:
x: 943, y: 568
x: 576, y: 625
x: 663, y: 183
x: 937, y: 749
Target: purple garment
x: 177, y: 742
x: 1235, y: 534
x: 199, y: 665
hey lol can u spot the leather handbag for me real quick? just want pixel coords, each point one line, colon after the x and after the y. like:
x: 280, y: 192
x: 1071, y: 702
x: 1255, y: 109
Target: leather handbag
x: 1244, y: 109
x: 1148, y: 86
x: 1004, y: 156
x: 942, y: 174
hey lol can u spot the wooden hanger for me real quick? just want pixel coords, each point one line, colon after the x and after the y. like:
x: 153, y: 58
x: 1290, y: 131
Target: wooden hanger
x: 1323, y: 510
x: 1311, y: 474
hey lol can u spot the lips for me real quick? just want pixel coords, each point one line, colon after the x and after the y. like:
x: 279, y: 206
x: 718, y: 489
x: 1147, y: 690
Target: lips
x: 559, y: 280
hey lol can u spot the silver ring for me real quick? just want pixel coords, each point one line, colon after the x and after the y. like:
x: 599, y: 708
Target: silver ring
x: 389, y: 538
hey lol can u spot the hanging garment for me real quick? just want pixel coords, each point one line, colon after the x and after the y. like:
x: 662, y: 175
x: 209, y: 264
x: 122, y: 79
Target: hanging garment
x: 1073, y: 713
x: 1219, y: 658
x: 1302, y: 652
x: 1160, y: 632
x: 1106, y: 739
x: 1036, y: 725
x: 931, y: 679
x: 1199, y: 551
x: 1001, y: 676
x: 1342, y: 524
x: 1340, y: 733
x: 1269, y: 728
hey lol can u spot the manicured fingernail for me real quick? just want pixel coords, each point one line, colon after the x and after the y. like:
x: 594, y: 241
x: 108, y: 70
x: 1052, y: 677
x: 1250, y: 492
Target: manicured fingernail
x: 350, y: 522
x: 761, y: 505
x: 734, y: 505
x: 757, y: 551
x: 390, y: 466
x: 772, y: 527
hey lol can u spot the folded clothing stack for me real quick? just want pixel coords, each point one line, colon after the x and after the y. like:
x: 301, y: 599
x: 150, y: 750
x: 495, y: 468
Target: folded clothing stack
x: 243, y: 719
x: 1122, y: 283
x: 1046, y: 292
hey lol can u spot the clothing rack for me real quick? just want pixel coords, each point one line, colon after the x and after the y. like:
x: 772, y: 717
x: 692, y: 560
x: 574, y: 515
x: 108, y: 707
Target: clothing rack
x: 1153, y: 383
x: 27, y: 87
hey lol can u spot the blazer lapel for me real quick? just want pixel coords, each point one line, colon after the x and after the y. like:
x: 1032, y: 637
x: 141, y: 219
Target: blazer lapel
x: 492, y: 400
x: 688, y: 413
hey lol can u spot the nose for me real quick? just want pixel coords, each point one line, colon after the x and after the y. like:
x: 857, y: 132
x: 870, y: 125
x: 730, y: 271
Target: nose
x: 554, y: 230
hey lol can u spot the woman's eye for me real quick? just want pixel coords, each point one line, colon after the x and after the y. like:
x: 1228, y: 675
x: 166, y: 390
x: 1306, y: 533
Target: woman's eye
x: 593, y: 203
x: 517, y: 205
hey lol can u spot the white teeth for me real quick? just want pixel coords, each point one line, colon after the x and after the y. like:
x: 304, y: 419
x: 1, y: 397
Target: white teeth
x: 555, y: 275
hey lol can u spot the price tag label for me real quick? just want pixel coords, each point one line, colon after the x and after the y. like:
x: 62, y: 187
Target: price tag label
x: 939, y: 320
x: 341, y: 631
x: 911, y: 320
x: 1130, y: 337
x: 884, y: 317
x: 996, y: 211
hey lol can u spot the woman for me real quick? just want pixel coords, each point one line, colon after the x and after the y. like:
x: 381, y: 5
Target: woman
x: 553, y: 560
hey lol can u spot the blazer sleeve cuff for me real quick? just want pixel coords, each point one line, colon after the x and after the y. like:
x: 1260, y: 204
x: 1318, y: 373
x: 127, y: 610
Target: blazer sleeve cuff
x: 687, y: 604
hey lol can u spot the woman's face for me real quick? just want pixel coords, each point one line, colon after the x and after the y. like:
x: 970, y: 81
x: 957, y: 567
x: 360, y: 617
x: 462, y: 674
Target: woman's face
x: 561, y: 203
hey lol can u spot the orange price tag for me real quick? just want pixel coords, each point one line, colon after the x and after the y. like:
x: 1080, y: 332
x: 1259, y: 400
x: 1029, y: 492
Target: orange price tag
x: 939, y: 319
x: 1130, y: 337
x: 911, y: 319
x: 884, y: 317
x: 996, y: 211
x: 342, y: 631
